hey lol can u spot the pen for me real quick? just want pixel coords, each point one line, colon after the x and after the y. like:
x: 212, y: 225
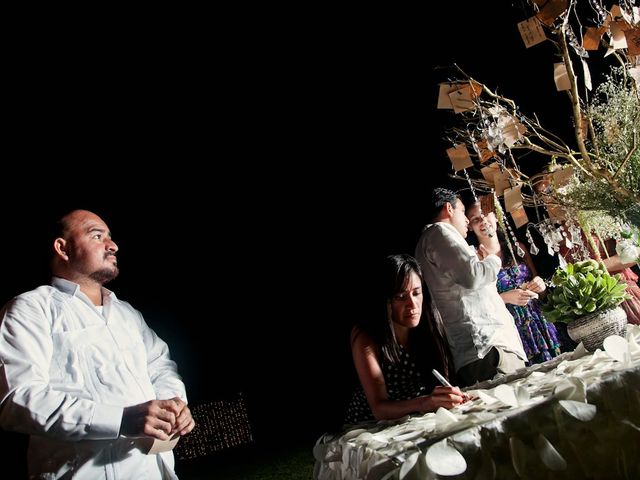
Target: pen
x: 440, y: 378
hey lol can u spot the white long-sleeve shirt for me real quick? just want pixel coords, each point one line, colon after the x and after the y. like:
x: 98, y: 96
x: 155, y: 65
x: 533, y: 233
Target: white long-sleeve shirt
x: 463, y: 288
x: 67, y: 370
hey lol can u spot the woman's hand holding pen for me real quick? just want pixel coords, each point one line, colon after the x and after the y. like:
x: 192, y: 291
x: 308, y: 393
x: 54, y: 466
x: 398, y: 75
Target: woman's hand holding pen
x: 454, y: 395
x: 446, y: 397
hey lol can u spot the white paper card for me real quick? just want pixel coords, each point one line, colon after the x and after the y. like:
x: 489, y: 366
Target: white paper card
x: 513, y: 198
x: 459, y: 157
x: 531, y: 32
x: 561, y: 77
x: 163, y: 445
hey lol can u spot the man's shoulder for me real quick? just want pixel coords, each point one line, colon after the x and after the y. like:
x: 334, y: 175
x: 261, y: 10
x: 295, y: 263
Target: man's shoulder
x: 42, y: 295
x: 433, y: 232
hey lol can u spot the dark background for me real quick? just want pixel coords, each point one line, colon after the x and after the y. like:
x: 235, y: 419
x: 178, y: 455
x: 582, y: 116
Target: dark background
x: 252, y: 176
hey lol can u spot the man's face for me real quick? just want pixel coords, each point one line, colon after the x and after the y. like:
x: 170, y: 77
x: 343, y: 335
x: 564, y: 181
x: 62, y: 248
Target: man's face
x: 459, y: 219
x: 91, y: 251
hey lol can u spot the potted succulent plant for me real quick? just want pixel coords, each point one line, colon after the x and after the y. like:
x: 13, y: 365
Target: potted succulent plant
x: 586, y: 297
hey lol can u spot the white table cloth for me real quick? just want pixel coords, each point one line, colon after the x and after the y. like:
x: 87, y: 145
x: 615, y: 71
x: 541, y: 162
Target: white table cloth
x: 576, y: 416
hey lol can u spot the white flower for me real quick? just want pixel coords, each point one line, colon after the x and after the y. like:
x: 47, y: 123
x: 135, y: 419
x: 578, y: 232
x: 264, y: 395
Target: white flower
x: 627, y: 251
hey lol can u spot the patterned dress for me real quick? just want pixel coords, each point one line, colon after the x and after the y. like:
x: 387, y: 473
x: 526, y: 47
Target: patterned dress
x: 539, y: 337
x: 403, y: 382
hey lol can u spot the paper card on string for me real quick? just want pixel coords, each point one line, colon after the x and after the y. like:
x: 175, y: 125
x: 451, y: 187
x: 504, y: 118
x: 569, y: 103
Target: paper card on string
x: 618, y: 38
x: 502, y: 181
x: 633, y: 41
x: 462, y: 99
x: 459, y: 157
x: 482, y: 149
x: 561, y: 77
x: 531, y: 32
x: 591, y: 39
x: 513, y: 198
x: 620, y: 15
x: 587, y: 75
x: 551, y: 10
x: 519, y: 217
x: 443, y: 95
x: 444, y: 100
x: 562, y: 176
x: 486, y: 204
x: 556, y: 212
x: 512, y: 130
x: 489, y: 172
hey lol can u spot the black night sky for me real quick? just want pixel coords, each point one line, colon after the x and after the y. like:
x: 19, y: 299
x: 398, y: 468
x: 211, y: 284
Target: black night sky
x: 251, y: 180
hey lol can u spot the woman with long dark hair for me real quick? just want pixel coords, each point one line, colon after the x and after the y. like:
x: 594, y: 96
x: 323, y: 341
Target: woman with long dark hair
x: 394, y: 353
x: 519, y: 286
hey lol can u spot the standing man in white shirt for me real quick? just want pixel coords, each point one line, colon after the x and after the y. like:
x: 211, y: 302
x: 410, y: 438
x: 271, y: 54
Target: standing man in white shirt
x: 83, y: 374
x: 481, y: 333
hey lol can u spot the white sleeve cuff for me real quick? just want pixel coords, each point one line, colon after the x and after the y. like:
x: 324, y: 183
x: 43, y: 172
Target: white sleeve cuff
x: 106, y: 421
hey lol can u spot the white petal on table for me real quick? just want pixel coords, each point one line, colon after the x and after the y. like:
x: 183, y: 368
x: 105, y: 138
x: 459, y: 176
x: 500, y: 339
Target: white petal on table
x: 484, y: 396
x: 617, y: 348
x: 549, y: 455
x: 571, y: 388
x: 582, y: 411
x: 523, y: 395
x: 506, y: 395
x: 443, y: 459
x: 352, y: 434
x: 579, y: 351
x: 413, y: 467
x: 445, y: 417
x: 408, y: 436
x: 519, y: 454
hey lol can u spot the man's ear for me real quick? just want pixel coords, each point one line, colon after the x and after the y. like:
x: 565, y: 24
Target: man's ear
x: 450, y: 208
x: 60, y: 246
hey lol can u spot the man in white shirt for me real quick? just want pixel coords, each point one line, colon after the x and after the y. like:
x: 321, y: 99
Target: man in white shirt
x: 83, y: 374
x: 482, y: 336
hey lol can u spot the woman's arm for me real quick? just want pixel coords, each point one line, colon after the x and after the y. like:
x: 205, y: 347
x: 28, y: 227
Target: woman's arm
x: 614, y: 264
x: 365, y: 359
x: 536, y: 284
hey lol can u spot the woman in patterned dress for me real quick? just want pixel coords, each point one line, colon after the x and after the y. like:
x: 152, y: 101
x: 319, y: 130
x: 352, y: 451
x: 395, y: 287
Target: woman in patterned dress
x: 519, y: 286
x: 394, y: 354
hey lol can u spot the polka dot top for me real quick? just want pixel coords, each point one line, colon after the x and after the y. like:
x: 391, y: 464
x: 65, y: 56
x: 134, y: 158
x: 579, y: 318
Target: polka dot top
x: 403, y: 381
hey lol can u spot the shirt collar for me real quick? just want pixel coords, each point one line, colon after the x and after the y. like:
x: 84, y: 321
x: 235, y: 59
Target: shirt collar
x: 447, y: 226
x: 73, y: 288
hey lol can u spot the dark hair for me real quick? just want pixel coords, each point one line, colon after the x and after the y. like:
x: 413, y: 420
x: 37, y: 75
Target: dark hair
x: 505, y: 249
x: 439, y: 198
x: 427, y: 338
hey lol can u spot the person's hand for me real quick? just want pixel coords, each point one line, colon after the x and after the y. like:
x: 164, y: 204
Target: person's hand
x: 492, y: 248
x: 156, y: 419
x: 518, y: 296
x: 184, y: 421
x: 536, y: 284
x: 446, y: 397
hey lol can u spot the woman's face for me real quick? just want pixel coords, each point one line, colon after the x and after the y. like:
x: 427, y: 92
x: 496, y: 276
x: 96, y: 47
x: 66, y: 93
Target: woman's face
x: 406, y: 306
x: 480, y: 225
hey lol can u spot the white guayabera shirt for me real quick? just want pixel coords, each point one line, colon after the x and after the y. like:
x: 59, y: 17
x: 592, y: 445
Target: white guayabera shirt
x: 68, y: 370
x: 464, y: 290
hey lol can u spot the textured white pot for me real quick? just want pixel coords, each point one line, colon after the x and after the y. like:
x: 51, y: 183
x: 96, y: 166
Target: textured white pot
x: 592, y: 329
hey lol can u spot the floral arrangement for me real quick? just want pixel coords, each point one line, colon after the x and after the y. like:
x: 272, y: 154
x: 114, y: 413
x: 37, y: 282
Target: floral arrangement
x: 628, y: 247
x: 599, y: 168
x: 583, y: 288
